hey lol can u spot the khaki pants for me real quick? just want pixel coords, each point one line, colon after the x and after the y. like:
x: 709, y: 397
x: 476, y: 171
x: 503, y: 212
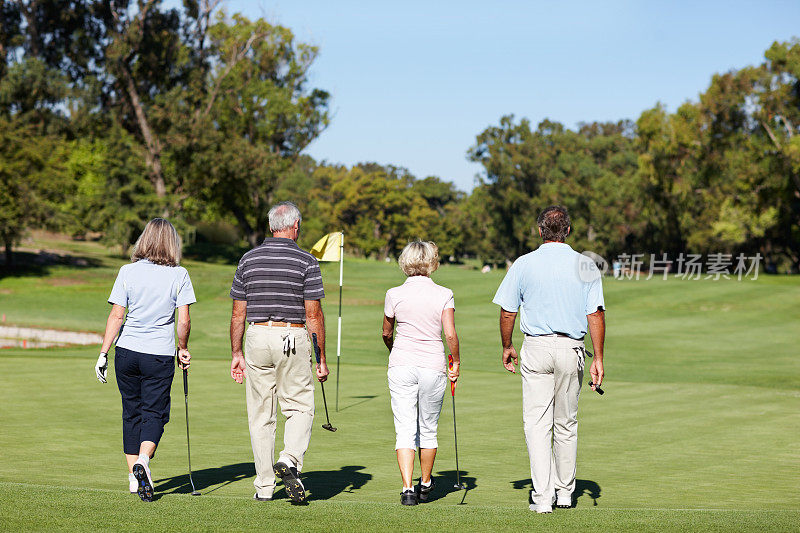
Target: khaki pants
x: 552, y: 371
x: 274, y: 374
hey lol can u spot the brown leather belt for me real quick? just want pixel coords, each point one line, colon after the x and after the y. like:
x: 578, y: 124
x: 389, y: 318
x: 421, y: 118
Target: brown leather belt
x: 278, y: 324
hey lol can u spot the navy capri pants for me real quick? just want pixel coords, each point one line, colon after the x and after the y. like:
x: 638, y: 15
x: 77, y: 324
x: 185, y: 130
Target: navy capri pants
x: 144, y: 382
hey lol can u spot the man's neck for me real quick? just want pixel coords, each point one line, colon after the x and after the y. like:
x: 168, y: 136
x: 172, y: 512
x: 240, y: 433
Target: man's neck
x: 284, y: 235
x: 558, y: 242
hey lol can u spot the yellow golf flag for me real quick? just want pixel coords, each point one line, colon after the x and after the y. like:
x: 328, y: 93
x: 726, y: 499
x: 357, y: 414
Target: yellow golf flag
x: 328, y: 248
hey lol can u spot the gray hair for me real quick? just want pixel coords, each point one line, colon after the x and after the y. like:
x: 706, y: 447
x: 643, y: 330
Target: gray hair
x: 419, y: 258
x: 282, y: 216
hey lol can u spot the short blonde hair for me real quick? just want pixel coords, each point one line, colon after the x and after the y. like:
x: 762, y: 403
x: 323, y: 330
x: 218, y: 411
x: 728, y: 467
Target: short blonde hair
x: 159, y: 243
x: 419, y: 258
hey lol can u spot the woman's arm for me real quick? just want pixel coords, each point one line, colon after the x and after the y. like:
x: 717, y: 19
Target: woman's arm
x: 114, y: 322
x: 388, y: 332
x: 450, y: 335
x: 115, y: 319
x: 184, y: 328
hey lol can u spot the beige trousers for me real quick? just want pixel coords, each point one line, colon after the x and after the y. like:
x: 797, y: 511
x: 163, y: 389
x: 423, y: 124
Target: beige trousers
x: 278, y: 373
x: 552, y: 371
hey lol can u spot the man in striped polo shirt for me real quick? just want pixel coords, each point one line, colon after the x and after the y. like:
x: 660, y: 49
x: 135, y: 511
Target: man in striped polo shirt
x: 277, y: 289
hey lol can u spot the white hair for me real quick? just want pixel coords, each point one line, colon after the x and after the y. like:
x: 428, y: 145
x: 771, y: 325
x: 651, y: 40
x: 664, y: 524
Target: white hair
x: 282, y: 216
x: 419, y: 258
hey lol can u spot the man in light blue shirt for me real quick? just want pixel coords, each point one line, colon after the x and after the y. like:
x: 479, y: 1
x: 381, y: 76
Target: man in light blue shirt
x: 559, y: 295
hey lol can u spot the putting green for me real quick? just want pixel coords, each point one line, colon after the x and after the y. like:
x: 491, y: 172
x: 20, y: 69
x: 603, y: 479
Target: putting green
x: 698, y: 428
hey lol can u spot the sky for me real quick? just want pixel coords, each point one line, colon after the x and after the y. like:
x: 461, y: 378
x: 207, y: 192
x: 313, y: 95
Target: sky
x: 413, y: 83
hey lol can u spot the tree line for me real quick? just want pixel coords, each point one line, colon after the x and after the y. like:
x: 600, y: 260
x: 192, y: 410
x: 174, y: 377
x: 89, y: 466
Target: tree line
x: 113, y: 112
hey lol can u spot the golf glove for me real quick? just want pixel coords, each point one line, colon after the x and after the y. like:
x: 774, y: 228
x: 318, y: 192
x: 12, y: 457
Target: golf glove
x: 288, y: 344
x: 581, y: 353
x: 101, y: 367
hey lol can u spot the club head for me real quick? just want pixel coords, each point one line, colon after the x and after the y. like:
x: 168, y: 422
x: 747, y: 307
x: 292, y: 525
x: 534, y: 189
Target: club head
x: 329, y: 427
x: 459, y: 486
x: 195, y: 493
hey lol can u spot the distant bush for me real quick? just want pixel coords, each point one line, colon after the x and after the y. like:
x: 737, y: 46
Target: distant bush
x: 217, y: 233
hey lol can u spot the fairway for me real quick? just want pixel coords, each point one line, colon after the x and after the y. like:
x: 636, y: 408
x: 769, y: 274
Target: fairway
x: 698, y: 429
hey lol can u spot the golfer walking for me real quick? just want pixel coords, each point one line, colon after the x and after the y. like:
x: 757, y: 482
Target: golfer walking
x: 277, y: 290
x: 152, y: 287
x: 559, y: 295
x: 418, y: 371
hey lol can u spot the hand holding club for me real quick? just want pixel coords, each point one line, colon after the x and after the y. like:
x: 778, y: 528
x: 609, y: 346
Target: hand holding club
x: 596, y: 371
x: 184, y: 358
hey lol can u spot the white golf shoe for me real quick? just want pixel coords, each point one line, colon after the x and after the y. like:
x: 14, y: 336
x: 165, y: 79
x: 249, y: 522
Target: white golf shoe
x: 144, y: 486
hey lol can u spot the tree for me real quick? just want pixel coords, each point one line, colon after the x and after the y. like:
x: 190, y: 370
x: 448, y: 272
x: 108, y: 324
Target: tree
x: 32, y: 181
x: 256, y: 118
x: 527, y: 170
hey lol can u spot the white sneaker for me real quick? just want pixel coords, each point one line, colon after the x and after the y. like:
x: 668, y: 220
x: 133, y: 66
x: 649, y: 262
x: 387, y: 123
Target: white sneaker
x: 540, y: 510
x: 144, y: 487
x: 133, y: 483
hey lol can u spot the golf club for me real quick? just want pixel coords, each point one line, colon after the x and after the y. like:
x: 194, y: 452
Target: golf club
x: 327, y: 426
x: 458, y: 484
x: 597, y: 389
x: 195, y: 492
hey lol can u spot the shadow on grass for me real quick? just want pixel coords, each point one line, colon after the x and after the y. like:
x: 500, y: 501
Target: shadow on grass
x: 319, y: 484
x: 325, y: 484
x: 446, y: 481
x: 582, y: 486
x: 362, y: 398
x: 207, y: 477
x: 32, y: 264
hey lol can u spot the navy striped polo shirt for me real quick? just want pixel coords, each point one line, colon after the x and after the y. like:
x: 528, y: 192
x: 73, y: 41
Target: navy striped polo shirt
x: 275, y: 278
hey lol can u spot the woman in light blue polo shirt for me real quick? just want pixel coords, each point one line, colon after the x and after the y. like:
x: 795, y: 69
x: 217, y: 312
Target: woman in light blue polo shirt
x: 152, y: 287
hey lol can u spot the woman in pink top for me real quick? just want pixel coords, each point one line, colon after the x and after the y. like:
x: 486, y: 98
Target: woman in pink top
x: 418, y: 371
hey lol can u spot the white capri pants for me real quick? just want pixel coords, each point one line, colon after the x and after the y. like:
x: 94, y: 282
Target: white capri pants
x: 417, y: 395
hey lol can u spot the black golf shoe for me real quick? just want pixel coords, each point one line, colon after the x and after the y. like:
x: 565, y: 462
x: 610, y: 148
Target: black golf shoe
x: 408, y: 497
x: 425, y: 492
x: 291, y: 481
x: 258, y: 498
x: 145, y: 489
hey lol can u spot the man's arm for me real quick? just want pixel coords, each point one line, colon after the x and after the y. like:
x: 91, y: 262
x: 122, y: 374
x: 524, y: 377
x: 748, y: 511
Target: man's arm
x: 315, y: 323
x: 507, y: 319
x: 597, y: 330
x: 238, y: 318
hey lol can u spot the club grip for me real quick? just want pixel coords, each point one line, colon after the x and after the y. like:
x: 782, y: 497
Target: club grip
x: 185, y: 382
x: 452, y: 383
x: 316, y: 346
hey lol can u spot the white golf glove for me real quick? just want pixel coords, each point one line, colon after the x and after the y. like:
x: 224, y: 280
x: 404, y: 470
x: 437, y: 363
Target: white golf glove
x: 101, y: 367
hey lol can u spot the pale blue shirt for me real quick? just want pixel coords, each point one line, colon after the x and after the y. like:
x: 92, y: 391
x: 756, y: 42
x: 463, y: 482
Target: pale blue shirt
x: 151, y: 293
x: 554, y: 288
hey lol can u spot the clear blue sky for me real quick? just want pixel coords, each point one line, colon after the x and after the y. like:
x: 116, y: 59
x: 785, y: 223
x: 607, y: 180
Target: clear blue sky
x: 413, y: 82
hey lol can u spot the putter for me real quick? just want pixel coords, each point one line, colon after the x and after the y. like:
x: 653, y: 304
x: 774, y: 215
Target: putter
x: 195, y: 492
x: 327, y: 426
x: 458, y: 485
x: 597, y: 389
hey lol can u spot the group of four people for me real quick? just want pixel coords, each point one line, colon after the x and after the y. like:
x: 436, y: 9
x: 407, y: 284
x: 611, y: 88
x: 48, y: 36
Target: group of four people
x: 276, y: 292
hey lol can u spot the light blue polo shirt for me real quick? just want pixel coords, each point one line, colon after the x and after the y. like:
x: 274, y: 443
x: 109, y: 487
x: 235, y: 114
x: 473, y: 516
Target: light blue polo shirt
x: 151, y: 293
x: 554, y: 288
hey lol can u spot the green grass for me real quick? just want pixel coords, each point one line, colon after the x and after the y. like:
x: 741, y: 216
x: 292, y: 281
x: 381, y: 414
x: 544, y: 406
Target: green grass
x: 698, y: 429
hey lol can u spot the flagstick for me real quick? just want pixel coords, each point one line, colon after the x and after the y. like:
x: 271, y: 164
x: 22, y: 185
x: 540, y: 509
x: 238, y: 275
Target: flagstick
x: 339, y: 326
